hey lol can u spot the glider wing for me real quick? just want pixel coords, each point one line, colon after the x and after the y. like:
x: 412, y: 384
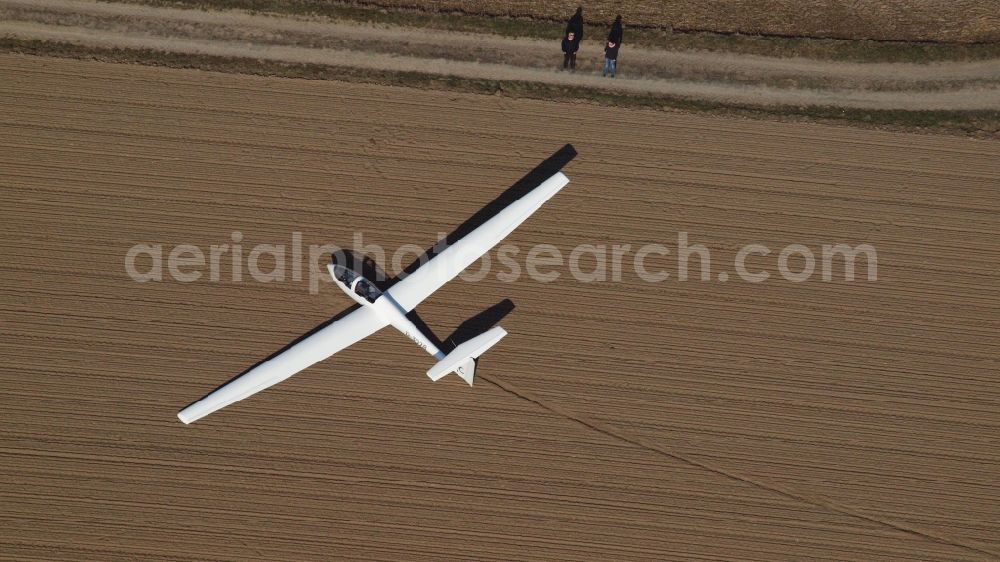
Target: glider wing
x: 313, y: 348
x: 443, y: 267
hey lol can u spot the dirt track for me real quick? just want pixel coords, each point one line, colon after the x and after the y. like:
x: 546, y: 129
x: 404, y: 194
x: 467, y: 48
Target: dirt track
x: 713, y: 77
x: 633, y: 420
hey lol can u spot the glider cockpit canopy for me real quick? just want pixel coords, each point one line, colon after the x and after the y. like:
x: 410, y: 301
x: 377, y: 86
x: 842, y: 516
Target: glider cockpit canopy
x: 355, y: 282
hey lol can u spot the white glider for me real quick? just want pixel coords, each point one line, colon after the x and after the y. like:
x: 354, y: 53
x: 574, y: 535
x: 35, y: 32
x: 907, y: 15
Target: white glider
x: 379, y: 310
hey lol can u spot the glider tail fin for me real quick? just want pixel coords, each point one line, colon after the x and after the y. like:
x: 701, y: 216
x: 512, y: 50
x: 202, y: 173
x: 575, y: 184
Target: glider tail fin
x: 467, y: 370
x: 462, y: 360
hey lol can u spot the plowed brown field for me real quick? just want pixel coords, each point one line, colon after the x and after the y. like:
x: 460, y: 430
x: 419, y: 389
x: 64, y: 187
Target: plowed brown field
x: 893, y: 20
x: 619, y: 420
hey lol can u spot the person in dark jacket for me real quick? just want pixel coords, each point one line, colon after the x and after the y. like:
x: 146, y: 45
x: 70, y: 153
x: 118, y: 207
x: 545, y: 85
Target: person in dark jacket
x: 611, y: 47
x: 569, y: 47
x: 575, y: 24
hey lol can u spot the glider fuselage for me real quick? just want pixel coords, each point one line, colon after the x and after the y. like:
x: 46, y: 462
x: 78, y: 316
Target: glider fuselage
x: 365, y: 293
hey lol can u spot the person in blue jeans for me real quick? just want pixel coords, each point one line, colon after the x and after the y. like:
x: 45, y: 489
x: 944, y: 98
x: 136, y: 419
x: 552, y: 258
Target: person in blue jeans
x: 611, y: 47
x: 610, y: 59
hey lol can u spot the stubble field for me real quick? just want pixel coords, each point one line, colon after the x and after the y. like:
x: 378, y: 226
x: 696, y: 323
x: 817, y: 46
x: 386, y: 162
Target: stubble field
x: 886, y: 20
x: 619, y: 420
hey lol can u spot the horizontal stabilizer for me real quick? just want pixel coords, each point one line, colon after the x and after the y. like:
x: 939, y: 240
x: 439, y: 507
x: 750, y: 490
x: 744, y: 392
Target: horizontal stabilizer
x: 461, y: 359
